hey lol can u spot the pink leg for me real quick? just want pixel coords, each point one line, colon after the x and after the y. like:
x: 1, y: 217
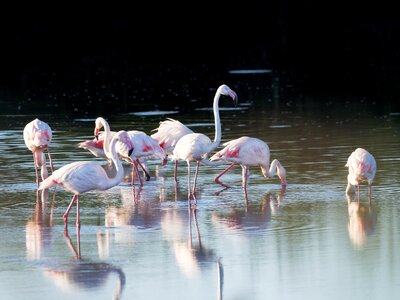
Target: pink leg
x: 222, y: 173
x: 36, y: 170
x: 144, y: 170
x: 78, y: 219
x: 188, y: 164
x: 195, y: 182
x: 69, y: 208
x: 137, y: 173
x: 176, y: 170
x: 245, y: 174
x: 50, y: 161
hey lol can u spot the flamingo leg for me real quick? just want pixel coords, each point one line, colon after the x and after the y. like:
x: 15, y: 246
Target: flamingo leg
x: 144, y: 169
x: 195, y: 181
x: 36, y: 170
x: 137, y: 173
x: 78, y: 220
x: 65, y: 216
x: 358, y: 192
x: 245, y: 175
x: 50, y: 161
x: 216, y: 179
x: 188, y: 164
x: 176, y: 170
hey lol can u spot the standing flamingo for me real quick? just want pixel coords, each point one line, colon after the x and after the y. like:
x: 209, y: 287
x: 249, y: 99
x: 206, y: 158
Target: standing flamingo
x: 168, y: 134
x: 37, y: 137
x: 362, y: 168
x: 249, y: 151
x: 196, y: 146
x: 83, y: 176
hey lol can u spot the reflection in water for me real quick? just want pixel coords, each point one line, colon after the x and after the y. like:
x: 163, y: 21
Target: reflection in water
x: 220, y: 279
x: 36, y: 230
x: 362, y: 222
x: 139, y: 211
x: 80, y: 274
x: 252, y: 215
x: 191, y: 256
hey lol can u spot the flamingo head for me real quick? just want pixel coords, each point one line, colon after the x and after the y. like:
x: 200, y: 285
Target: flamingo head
x: 99, y: 124
x: 226, y: 91
x: 282, y: 174
x: 124, y: 146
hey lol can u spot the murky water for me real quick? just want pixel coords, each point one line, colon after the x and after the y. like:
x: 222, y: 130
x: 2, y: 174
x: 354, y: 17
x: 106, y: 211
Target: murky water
x: 304, y: 242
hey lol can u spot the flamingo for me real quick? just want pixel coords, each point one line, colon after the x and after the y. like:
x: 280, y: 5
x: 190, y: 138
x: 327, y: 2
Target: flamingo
x: 83, y: 176
x: 362, y: 168
x: 168, y: 134
x: 247, y: 152
x: 37, y: 137
x: 143, y: 146
x: 197, y: 146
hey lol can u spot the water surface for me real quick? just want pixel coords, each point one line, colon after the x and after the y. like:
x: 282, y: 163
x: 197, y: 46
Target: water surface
x: 302, y: 242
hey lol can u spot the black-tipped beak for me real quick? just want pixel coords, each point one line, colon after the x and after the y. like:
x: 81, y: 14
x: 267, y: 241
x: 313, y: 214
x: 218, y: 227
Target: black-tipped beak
x: 234, y: 97
x: 130, y: 151
x: 97, y: 137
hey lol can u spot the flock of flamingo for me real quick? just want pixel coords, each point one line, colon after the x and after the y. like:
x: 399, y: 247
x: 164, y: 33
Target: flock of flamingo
x: 174, y: 140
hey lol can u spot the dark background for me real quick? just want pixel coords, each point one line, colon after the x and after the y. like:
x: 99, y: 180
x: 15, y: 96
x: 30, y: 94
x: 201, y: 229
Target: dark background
x: 163, y: 53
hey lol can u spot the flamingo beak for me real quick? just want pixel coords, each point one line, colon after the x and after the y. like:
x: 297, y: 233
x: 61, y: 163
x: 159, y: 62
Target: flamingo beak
x: 234, y: 97
x: 96, y: 134
x: 130, y: 151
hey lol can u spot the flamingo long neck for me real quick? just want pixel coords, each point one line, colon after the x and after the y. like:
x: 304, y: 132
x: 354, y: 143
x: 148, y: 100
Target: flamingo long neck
x: 107, y: 137
x: 272, y: 169
x: 217, y: 122
x: 118, y: 165
x: 275, y: 168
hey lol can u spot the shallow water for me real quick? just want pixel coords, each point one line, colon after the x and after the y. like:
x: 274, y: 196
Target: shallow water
x: 304, y: 242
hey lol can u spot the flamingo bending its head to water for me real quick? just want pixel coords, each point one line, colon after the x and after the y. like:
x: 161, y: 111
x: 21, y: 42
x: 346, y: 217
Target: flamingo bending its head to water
x: 362, y: 168
x: 197, y: 146
x: 37, y: 137
x: 83, y: 176
x: 168, y: 134
x: 247, y: 152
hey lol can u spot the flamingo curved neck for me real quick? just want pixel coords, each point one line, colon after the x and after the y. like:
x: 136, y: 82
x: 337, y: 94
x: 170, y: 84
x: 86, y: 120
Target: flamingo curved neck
x: 272, y: 169
x: 217, y: 122
x: 118, y: 165
x: 106, y: 142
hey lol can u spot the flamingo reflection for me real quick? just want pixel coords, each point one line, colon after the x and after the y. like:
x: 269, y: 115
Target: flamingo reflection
x: 80, y: 275
x: 37, y: 229
x: 362, y: 221
x: 251, y: 215
x: 193, y: 256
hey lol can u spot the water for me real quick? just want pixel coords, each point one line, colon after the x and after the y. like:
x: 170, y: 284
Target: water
x: 304, y: 242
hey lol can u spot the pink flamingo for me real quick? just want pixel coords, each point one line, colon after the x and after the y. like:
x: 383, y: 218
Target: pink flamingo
x: 83, y: 176
x: 168, y: 134
x: 143, y: 146
x: 362, y: 168
x: 196, y: 146
x: 37, y: 137
x: 247, y: 152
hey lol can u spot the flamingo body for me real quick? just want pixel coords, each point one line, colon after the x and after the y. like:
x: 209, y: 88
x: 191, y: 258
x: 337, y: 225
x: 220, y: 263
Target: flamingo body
x: 196, y: 146
x: 37, y: 137
x: 249, y: 152
x: 84, y: 176
x: 362, y: 169
x: 169, y: 132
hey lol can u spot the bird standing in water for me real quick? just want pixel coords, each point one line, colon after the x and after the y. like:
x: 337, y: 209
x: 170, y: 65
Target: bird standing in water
x: 247, y: 152
x: 37, y: 137
x: 197, y: 146
x: 362, y: 168
x: 83, y: 176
